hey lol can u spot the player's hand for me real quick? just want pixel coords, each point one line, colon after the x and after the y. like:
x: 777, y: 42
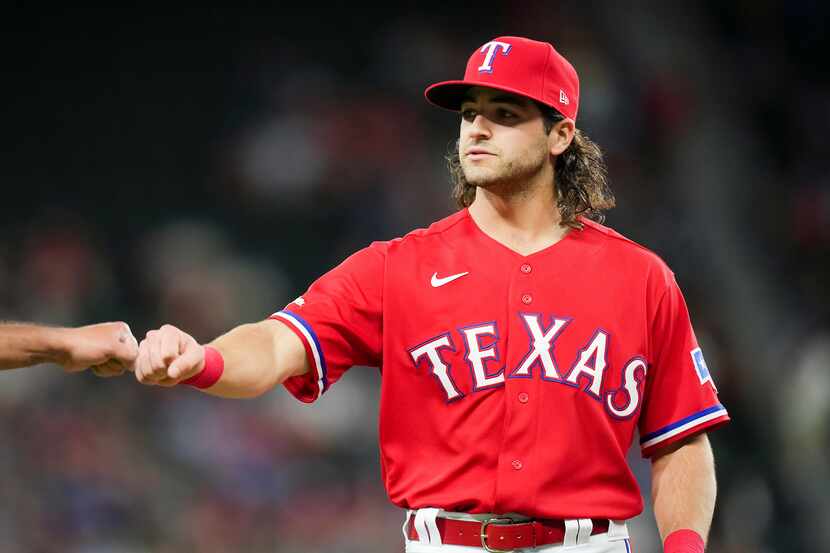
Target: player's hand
x: 167, y: 356
x: 107, y: 348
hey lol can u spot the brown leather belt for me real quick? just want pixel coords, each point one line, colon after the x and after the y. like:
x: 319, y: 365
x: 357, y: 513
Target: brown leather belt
x: 502, y: 534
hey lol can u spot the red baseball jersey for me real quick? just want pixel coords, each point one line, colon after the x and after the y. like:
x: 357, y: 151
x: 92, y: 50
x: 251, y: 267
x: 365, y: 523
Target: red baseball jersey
x: 511, y: 383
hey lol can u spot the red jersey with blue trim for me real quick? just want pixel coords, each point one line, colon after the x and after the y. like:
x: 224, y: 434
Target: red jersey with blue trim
x: 511, y: 383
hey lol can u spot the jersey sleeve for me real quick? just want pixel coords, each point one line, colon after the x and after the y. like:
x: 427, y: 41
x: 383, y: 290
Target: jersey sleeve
x: 681, y: 398
x: 339, y: 320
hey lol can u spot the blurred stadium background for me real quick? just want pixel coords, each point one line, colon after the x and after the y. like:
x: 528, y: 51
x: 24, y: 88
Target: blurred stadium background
x: 202, y: 167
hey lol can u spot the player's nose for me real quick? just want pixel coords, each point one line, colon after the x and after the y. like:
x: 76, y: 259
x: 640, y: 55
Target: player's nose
x: 479, y: 127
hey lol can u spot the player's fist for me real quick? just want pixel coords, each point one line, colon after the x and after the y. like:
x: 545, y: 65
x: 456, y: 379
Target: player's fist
x: 108, y: 348
x: 167, y: 356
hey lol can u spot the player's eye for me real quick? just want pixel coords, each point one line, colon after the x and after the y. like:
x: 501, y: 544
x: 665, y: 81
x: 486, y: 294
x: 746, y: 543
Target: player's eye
x: 507, y: 114
x: 468, y: 114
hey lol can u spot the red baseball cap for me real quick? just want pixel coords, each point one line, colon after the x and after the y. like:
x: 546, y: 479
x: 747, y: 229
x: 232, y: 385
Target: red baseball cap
x: 519, y: 65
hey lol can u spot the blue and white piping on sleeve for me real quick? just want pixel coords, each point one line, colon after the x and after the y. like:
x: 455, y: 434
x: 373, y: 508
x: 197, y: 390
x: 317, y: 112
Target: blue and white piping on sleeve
x: 682, y: 425
x: 310, y: 337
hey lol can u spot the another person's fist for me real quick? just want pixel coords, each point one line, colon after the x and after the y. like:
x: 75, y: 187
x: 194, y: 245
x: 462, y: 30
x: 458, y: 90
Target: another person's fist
x: 168, y: 356
x: 107, y: 348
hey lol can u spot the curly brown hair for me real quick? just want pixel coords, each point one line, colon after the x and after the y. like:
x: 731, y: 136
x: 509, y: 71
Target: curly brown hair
x: 580, y: 177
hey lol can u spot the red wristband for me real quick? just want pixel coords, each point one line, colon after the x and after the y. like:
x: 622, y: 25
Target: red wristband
x: 683, y: 541
x: 213, y: 369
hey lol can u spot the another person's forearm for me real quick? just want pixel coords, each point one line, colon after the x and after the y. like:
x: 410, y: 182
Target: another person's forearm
x: 684, y: 488
x: 108, y: 348
x: 22, y: 345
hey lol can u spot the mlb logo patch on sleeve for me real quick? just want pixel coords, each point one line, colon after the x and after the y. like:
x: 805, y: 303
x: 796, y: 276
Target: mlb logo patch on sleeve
x: 700, y: 365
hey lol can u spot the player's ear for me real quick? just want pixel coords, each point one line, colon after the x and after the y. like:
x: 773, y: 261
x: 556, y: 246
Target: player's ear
x: 560, y: 136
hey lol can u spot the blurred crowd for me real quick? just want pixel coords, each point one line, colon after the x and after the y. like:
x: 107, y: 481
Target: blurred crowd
x: 202, y: 170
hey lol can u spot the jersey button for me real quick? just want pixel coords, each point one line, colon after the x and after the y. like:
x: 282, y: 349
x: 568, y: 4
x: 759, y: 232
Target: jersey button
x: 527, y: 299
x: 526, y: 269
x: 523, y: 397
x: 517, y: 464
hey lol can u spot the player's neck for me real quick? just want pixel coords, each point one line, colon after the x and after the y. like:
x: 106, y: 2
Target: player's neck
x: 525, y: 223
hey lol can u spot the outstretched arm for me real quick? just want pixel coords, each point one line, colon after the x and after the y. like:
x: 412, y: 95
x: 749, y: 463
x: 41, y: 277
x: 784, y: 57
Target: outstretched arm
x: 106, y: 347
x: 684, y: 488
x: 257, y: 357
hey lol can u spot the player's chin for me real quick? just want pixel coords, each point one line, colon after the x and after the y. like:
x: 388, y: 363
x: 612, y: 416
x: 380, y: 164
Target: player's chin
x: 483, y: 181
x: 480, y: 176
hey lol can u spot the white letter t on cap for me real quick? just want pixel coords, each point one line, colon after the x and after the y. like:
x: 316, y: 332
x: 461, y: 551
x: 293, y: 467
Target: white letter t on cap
x: 492, y: 47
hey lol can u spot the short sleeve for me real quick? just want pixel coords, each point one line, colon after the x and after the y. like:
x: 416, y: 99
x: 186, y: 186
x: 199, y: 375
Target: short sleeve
x: 339, y: 321
x: 681, y: 398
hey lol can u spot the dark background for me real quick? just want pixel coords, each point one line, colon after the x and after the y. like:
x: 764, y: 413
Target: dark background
x: 201, y: 167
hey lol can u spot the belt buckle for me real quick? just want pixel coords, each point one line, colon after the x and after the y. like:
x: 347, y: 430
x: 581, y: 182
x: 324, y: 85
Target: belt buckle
x: 494, y: 520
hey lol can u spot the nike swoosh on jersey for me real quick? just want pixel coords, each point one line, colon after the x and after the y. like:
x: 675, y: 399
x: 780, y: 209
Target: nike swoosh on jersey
x: 436, y: 282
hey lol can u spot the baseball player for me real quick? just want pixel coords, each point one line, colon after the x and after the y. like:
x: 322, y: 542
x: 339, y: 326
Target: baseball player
x: 521, y: 343
x: 108, y: 348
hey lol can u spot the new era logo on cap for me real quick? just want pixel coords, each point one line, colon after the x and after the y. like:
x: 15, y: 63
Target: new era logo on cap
x: 518, y: 65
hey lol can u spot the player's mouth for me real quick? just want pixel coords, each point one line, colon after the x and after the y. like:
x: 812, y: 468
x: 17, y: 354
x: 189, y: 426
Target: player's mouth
x: 478, y: 153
